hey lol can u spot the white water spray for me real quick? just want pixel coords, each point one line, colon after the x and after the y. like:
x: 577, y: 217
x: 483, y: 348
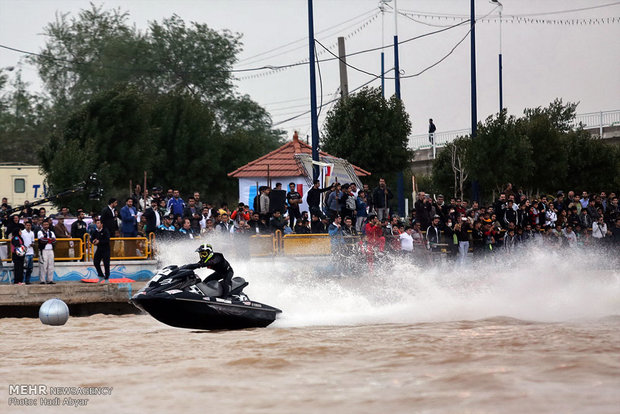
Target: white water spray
x: 534, y: 285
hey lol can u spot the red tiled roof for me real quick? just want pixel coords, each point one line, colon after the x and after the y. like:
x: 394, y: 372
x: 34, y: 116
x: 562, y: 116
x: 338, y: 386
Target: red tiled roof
x: 282, y: 162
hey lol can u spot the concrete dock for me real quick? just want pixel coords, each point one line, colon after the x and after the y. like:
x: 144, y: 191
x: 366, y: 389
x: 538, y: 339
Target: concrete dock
x: 83, y: 299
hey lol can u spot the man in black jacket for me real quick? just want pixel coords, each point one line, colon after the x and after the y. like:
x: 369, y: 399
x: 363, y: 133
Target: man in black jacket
x: 381, y: 197
x: 153, y: 219
x: 216, y: 262
x: 101, y: 239
x: 108, y: 216
x: 314, y: 198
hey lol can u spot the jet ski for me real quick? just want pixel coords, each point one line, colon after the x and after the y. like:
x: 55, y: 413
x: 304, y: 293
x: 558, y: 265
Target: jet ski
x: 178, y: 297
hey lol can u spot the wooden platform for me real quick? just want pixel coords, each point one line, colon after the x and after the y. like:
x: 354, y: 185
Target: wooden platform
x: 82, y: 298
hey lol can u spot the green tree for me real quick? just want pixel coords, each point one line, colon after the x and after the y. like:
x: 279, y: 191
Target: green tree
x: 22, y: 121
x: 500, y: 153
x: 593, y: 164
x: 546, y: 130
x: 369, y: 131
x: 108, y: 136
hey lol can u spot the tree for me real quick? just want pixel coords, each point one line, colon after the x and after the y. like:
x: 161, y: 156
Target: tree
x: 22, y: 121
x: 369, y: 131
x: 546, y: 129
x: 500, y: 153
x: 108, y: 136
x: 450, y: 172
x: 593, y: 164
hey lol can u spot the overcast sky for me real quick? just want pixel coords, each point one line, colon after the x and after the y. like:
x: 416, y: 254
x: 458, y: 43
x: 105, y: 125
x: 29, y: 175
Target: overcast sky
x: 542, y: 60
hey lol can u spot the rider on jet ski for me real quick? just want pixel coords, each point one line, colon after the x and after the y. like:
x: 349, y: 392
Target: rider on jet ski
x: 215, y: 261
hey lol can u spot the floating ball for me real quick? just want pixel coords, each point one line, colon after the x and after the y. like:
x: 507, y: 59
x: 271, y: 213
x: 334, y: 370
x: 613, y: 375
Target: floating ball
x: 54, y: 312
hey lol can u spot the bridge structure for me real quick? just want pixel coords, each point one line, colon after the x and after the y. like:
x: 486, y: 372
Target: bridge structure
x: 602, y: 124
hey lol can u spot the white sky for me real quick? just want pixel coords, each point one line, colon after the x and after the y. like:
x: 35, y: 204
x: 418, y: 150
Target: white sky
x: 579, y: 63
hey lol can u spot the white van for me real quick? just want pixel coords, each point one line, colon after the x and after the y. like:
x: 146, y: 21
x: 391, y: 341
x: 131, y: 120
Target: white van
x: 21, y: 182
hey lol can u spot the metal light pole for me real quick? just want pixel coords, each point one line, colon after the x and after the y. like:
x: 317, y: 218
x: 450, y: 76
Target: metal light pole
x: 400, y: 178
x: 501, y: 94
x: 313, y: 111
x: 474, y: 106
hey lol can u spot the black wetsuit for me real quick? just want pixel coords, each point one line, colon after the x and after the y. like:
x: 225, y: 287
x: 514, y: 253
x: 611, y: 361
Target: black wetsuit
x: 222, y: 271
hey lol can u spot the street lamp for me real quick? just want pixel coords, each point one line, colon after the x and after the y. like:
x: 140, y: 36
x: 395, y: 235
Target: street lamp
x: 501, y: 96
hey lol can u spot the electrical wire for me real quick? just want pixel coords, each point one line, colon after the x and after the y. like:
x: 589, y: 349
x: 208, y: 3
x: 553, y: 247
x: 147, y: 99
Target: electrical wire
x: 303, y: 39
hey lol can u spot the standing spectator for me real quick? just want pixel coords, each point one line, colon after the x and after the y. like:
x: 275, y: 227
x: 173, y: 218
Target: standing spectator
x: 60, y: 229
x: 28, y: 236
x: 176, y: 204
x: 101, y: 239
x: 462, y: 232
x: 362, y: 212
x: 129, y: 227
x: 431, y: 131
x: 293, y: 198
x: 380, y: 199
x: 79, y: 227
x: 108, y: 216
x: 334, y: 205
x: 335, y: 232
x: 277, y: 199
x: 18, y: 251
x: 144, y: 201
x: 433, y: 235
x: 263, y: 203
x: 197, y: 200
x: 349, y: 205
x: 193, y: 214
x: 599, y: 230
x: 314, y: 198
x: 153, y: 218
x: 65, y: 248
x: 406, y: 241
x: 13, y: 224
x: 47, y: 240
x: 374, y: 233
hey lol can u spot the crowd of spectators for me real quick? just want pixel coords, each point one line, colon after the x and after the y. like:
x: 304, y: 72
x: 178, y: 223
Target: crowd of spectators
x: 353, y: 216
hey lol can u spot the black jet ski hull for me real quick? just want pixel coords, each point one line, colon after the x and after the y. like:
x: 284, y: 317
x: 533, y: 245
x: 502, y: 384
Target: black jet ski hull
x: 205, y: 314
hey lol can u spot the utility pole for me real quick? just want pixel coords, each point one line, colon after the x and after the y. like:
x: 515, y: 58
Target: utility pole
x: 400, y: 177
x: 474, y: 107
x: 313, y: 111
x: 344, y: 82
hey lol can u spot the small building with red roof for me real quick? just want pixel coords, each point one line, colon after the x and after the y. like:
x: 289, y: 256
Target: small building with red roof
x: 291, y: 163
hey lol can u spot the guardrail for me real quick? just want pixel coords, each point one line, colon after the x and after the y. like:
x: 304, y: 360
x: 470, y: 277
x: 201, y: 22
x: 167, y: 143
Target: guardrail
x: 64, y: 250
x: 590, y: 120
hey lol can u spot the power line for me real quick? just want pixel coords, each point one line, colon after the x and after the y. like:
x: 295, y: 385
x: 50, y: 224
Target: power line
x: 302, y: 39
x: 327, y: 103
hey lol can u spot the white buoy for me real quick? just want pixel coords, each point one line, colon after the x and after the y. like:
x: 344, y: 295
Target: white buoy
x: 54, y: 312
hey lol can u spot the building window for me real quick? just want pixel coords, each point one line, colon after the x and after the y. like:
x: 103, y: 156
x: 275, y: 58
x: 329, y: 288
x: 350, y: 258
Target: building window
x: 20, y: 185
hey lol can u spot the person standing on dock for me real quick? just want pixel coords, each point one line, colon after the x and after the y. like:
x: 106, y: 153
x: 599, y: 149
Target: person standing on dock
x: 47, y: 240
x: 101, y: 239
x: 18, y: 251
x: 28, y: 236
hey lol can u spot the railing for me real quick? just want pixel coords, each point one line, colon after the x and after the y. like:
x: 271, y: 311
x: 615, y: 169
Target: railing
x: 64, y: 250
x: 589, y: 120
x: 421, y: 141
x: 121, y: 248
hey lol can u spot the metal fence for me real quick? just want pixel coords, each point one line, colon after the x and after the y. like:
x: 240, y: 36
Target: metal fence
x: 591, y: 120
